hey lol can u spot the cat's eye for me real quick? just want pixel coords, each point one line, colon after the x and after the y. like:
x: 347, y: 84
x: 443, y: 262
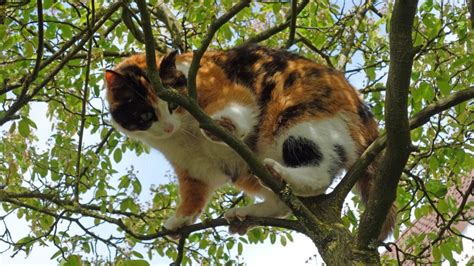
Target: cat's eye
x: 146, y: 116
x: 172, y: 106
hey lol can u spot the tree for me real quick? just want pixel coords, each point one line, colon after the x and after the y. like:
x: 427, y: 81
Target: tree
x: 53, y: 57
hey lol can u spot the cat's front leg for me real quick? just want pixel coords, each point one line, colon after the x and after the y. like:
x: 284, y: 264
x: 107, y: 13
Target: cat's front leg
x: 194, y: 195
x: 236, y: 118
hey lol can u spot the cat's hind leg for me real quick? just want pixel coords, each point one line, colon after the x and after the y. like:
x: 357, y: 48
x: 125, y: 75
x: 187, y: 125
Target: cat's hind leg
x: 270, y: 206
x: 310, y: 154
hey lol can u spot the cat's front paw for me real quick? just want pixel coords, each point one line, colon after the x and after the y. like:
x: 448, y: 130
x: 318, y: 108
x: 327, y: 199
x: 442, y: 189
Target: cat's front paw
x: 235, y: 214
x: 236, y: 218
x: 175, y: 222
x: 227, y: 124
x: 230, y: 126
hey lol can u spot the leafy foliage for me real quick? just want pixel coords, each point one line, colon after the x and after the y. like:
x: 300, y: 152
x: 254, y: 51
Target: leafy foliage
x: 59, y: 153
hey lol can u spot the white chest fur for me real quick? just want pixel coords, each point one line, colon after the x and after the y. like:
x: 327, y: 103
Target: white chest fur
x: 189, y: 149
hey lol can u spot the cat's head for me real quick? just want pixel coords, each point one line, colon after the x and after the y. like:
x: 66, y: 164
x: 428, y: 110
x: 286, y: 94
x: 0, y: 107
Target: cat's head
x: 133, y: 104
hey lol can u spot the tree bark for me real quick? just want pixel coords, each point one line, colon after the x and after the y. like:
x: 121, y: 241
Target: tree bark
x: 397, y: 125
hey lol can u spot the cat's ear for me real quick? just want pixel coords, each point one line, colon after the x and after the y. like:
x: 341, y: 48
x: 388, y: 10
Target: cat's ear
x: 113, y: 79
x: 168, y: 66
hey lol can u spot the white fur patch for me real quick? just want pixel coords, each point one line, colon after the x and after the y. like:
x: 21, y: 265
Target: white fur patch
x: 243, y: 117
x: 175, y: 222
x: 272, y: 206
x: 183, y: 67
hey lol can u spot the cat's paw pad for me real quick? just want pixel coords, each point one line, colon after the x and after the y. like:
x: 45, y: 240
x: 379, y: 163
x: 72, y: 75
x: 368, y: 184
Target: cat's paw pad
x: 229, y: 125
x: 275, y: 168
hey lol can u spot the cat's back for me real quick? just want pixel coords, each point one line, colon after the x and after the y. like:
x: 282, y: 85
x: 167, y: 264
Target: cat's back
x: 290, y: 89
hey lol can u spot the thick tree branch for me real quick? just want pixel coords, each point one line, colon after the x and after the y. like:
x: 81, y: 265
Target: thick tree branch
x: 429, y: 111
x: 68, y: 206
x: 397, y: 125
x: 39, y: 50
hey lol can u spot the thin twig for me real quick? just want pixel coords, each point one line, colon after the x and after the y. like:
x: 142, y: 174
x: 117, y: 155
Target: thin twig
x: 264, y: 35
x: 197, y: 55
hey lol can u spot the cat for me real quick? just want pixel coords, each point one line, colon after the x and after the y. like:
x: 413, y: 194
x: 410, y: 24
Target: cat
x: 304, y: 120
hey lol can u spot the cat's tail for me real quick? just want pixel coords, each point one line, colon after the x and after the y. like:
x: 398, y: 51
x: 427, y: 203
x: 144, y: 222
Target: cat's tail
x: 365, y: 186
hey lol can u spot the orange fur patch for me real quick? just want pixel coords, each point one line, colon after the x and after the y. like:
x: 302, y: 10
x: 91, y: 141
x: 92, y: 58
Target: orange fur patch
x: 193, y: 194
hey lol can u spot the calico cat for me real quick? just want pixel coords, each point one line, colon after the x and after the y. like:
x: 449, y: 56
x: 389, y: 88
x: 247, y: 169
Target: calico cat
x: 304, y: 120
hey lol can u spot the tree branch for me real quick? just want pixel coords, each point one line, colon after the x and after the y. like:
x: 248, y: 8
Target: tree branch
x: 264, y: 35
x: 85, y: 96
x: 313, y: 48
x: 180, y: 248
x: 164, y: 14
x: 291, y: 35
x: 39, y: 50
x: 197, y: 55
x: 397, y: 125
x: 346, y: 49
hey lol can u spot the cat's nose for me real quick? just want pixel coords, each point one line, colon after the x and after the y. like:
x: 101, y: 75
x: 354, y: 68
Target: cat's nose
x: 168, y: 128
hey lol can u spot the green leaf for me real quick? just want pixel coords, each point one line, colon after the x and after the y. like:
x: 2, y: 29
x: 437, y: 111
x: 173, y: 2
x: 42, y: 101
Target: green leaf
x: 117, y: 155
x: 137, y: 187
x: 24, y: 128
x: 73, y: 260
x: 230, y: 244
x: 137, y: 254
x: 443, y: 85
x: 132, y: 263
x: 12, y: 128
x: 212, y: 250
x: 272, y: 238
x: 240, y: 248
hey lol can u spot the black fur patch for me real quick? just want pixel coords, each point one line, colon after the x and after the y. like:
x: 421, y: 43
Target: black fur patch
x: 291, y: 79
x: 364, y: 112
x: 339, y: 161
x: 131, y: 115
x: 341, y: 153
x: 238, y: 65
x: 314, y: 72
x: 133, y: 70
x: 313, y: 107
x: 277, y: 64
x: 268, y: 84
x: 299, y: 151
